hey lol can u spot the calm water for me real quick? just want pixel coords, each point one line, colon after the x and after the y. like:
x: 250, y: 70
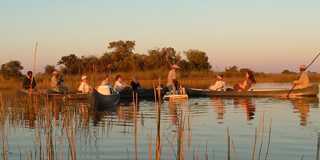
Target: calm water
x: 38, y: 129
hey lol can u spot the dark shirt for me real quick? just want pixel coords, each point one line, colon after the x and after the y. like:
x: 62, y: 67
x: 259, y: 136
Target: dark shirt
x: 27, y: 83
x: 135, y: 86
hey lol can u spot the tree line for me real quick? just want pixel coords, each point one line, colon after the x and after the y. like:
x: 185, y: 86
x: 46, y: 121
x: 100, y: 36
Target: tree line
x: 121, y: 57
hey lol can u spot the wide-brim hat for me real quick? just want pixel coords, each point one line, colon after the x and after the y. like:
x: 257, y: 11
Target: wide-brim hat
x: 302, y: 66
x: 84, y: 77
x: 175, y: 66
x: 55, y: 72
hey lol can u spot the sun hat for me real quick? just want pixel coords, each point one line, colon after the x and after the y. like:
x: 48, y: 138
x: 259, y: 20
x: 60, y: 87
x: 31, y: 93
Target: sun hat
x: 83, y: 77
x: 175, y: 66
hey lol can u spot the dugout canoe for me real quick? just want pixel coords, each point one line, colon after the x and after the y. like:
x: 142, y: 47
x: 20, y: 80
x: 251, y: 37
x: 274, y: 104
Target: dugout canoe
x: 311, y: 91
x: 143, y: 94
x: 105, y: 101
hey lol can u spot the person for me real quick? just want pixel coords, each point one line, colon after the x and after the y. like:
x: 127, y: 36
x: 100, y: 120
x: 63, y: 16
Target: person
x: 247, y: 83
x: 135, y: 85
x: 84, y: 86
x: 173, y: 83
x: 105, y: 87
x: 119, y: 85
x: 303, y: 80
x: 57, y: 83
x: 29, y: 82
x: 219, y: 84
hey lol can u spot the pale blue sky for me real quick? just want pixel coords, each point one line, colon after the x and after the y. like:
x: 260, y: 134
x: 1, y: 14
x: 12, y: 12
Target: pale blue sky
x: 263, y: 35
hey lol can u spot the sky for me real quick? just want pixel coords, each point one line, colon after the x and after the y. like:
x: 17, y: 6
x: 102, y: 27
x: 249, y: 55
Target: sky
x: 265, y: 35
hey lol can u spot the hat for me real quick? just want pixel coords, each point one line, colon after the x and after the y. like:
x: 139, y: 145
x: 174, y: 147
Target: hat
x: 55, y: 72
x: 175, y: 66
x: 220, y: 76
x: 83, y: 77
x: 302, y: 66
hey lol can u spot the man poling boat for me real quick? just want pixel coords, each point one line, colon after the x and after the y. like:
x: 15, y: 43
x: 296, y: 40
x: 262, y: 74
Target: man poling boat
x: 29, y: 83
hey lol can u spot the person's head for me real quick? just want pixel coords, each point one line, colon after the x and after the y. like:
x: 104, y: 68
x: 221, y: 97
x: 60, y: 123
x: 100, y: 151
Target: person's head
x: 29, y: 74
x: 220, y: 77
x: 84, y: 78
x: 302, y: 68
x: 55, y: 73
x: 118, y: 78
x: 175, y: 67
x: 250, y: 76
x: 134, y: 78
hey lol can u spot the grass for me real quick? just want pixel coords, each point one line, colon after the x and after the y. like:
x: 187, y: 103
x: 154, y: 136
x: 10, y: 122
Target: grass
x: 148, y: 78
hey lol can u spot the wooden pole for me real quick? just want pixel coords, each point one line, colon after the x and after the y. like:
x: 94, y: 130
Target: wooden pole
x: 35, y: 49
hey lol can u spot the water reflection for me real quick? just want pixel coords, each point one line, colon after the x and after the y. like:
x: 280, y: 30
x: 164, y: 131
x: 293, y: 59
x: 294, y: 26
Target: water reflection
x: 64, y: 129
x: 302, y: 107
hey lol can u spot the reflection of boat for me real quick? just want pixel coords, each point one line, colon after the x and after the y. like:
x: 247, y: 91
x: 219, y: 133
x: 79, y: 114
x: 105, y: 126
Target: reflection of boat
x: 311, y: 91
x: 176, y: 97
x: 102, y: 101
x: 68, y: 96
x: 248, y: 105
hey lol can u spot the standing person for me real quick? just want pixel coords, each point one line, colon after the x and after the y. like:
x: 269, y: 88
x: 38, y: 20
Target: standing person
x: 84, y: 86
x: 303, y: 80
x: 172, y: 82
x: 135, y: 85
x: 120, y: 85
x: 219, y: 84
x: 105, y: 87
x: 247, y: 83
x: 29, y: 82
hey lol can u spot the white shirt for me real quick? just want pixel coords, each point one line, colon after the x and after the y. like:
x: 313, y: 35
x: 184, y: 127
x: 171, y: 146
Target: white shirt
x: 218, y: 86
x: 84, y: 87
x: 104, y: 90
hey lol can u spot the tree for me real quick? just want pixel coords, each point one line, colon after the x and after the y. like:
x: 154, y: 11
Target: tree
x: 71, y: 63
x: 198, y: 60
x: 286, y: 71
x: 48, y: 69
x: 121, y: 54
x: 11, y: 69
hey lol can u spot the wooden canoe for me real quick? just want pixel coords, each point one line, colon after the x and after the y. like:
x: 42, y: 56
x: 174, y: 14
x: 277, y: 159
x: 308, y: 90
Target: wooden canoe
x: 143, y: 94
x: 311, y: 91
x: 102, y: 101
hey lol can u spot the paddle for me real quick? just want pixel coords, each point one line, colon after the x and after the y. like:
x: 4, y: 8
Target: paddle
x: 314, y: 59
x: 34, y: 67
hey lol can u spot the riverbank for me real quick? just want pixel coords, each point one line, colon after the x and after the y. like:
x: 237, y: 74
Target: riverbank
x: 147, y: 79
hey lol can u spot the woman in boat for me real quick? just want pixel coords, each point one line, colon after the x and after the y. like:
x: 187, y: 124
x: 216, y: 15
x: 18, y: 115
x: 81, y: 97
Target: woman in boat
x: 173, y: 83
x: 247, y: 83
x: 84, y: 86
x: 57, y: 83
x: 219, y: 84
x: 105, y: 88
x: 120, y: 85
x: 303, y: 80
x: 29, y: 82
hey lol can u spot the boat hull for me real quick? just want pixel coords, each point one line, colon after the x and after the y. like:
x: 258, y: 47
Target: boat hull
x: 103, y: 102
x: 311, y: 91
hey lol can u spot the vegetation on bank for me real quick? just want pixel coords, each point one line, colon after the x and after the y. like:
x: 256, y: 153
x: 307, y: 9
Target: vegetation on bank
x: 121, y: 58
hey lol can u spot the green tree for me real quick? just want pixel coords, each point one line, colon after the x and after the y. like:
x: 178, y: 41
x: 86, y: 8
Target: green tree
x: 72, y: 64
x: 11, y: 69
x: 121, y: 54
x: 198, y: 60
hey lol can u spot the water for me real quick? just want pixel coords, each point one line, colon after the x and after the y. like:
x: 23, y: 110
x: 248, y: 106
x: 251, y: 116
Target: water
x: 38, y: 129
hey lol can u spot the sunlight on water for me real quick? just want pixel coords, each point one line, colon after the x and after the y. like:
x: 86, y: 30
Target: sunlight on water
x: 39, y: 128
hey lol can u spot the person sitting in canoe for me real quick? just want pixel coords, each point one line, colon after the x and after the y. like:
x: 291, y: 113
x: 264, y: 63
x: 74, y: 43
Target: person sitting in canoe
x: 219, y: 84
x: 172, y: 82
x: 247, y: 83
x: 29, y: 82
x: 120, y: 85
x: 135, y: 85
x: 303, y: 80
x: 105, y: 88
x: 57, y: 83
x: 84, y: 86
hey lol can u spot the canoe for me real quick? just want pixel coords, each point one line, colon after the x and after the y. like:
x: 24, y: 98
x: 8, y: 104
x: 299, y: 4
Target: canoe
x: 143, y: 94
x: 311, y: 91
x: 102, y: 101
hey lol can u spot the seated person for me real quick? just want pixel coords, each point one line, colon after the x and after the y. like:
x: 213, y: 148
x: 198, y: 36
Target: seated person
x: 303, y: 80
x: 120, y: 85
x: 246, y: 84
x: 29, y: 81
x: 105, y: 87
x: 84, y: 86
x: 57, y: 83
x: 219, y: 84
x: 135, y: 85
